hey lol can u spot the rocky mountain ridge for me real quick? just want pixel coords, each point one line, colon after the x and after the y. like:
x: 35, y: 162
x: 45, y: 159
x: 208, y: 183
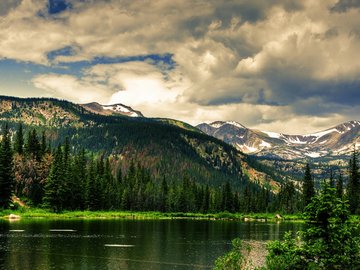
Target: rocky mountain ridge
x: 333, y: 142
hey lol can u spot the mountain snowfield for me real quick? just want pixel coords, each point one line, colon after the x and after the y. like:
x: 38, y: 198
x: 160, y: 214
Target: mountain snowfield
x: 333, y: 142
x: 112, y: 109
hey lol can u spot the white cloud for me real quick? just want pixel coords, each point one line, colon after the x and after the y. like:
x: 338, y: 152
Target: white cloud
x: 70, y: 88
x: 255, y: 62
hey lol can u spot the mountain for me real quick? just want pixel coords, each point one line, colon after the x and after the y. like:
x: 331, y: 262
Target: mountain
x: 167, y: 148
x: 331, y: 143
x: 115, y: 109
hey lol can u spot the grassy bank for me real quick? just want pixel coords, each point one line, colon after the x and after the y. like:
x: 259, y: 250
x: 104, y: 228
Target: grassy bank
x: 42, y: 213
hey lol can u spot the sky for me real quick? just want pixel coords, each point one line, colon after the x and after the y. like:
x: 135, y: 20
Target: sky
x: 290, y: 66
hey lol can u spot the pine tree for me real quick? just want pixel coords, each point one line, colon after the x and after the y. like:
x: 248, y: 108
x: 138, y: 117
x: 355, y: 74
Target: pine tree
x: 32, y: 146
x: 163, y: 196
x: 19, y: 140
x: 7, y: 178
x: 77, y: 181
x: 206, y: 200
x: 89, y: 187
x: 353, y: 189
x: 331, y: 179
x: 55, y: 191
x: 43, y: 145
x: 340, y: 187
x: 308, y: 186
x: 227, y: 198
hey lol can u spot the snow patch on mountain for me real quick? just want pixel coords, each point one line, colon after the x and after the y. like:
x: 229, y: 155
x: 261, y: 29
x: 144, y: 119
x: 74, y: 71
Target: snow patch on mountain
x: 120, y: 108
x: 272, y: 134
x: 296, y: 140
x: 265, y: 144
x: 219, y: 124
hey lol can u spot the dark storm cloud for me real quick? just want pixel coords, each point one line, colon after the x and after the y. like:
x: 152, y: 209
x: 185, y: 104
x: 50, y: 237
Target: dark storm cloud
x: 316, y: 97
x: 250, y: 10
x: 7, y: 5
x: 345, y: 5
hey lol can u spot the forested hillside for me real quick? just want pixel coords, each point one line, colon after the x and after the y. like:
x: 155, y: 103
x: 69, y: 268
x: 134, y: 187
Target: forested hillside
x: 55, y: 154
x: 165, y: 149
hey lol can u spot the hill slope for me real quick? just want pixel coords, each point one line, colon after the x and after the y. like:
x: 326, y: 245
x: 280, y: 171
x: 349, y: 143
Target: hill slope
x: 162, y: 146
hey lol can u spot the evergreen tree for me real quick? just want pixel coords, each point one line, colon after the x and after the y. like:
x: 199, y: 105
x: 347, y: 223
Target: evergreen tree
x: 55, y: 191
x: 7, y: 178
x: 163, y: 196
x: 330, y: 240
x: 227, y: 198
x: 331, y: 179
x: 32, y: 146
x: 308, y: 186
x: 43, y: 146
x: 77, y: 182
x: 91, y: 196
x: 353, y: 189
x: 287, y: 198
x: 19, y: 140
x: 340, y: 187
x: 206, y: 200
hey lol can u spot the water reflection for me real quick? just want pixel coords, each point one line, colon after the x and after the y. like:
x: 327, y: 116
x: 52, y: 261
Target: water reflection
x: 125, y: 244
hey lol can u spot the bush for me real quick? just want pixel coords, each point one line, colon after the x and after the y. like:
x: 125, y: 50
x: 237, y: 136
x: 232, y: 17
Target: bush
x: 329, y: 241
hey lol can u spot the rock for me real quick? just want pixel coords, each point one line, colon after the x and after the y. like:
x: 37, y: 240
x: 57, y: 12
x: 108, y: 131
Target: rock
x: 14, y: 217
x: 278, y: 216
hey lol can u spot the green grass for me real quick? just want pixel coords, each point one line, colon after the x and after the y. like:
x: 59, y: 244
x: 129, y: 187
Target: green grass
x: 42, y: 213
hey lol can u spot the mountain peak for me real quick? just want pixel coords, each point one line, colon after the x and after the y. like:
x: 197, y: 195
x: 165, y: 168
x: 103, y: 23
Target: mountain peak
x: 332, y: 142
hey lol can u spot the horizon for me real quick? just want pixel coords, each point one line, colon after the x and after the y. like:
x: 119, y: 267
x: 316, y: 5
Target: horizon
x: 283, y: 66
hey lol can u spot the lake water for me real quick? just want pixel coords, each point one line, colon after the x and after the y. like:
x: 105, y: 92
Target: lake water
x: 125, y: 244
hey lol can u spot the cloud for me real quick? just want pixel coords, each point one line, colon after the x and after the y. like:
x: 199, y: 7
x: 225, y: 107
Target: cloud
x: 345, y: 5
x: 71, y: 88
x: 8, y: 5
x: 262, y: 62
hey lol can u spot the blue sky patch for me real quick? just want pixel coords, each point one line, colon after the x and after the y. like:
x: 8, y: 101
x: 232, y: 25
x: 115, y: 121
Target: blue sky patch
x: 57, y: 6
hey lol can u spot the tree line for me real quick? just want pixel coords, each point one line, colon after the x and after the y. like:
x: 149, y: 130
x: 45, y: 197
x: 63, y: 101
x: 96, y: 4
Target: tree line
x: 63, y: 178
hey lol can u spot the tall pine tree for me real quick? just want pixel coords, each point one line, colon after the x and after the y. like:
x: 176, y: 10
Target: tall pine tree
x: 19, y: 140
x: 55, y: 191
x: 340, y: 186
x: 7, y: 178
x: 354, y: 184
x: 308, y: 186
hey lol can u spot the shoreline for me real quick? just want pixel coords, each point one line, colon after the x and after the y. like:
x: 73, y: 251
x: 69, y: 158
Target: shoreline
x: 42, y: 213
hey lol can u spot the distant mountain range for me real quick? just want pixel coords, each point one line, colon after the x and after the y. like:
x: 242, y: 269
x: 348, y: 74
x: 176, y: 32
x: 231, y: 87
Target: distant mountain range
x: 333, y: 142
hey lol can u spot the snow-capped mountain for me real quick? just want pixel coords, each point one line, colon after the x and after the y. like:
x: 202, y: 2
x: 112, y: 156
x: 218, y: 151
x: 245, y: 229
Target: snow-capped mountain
x: 336, y: 141
x: 112, y: 109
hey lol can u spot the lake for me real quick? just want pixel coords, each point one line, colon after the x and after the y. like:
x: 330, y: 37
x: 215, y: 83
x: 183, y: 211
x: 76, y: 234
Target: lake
x: 126, y: 244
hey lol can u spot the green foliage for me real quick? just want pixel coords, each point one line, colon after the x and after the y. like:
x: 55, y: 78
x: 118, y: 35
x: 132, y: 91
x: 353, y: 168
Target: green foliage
x: 353, y: 192
x: 340, y: 186
x: 233, y: 260
x: 288, y: 198
x: 55, y: 188
x: 308, y: 186
x: 7, y: 178
x: 32, y: 146
x: 284, y: 255
x: 330, y: 240
x: 19, y: 140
